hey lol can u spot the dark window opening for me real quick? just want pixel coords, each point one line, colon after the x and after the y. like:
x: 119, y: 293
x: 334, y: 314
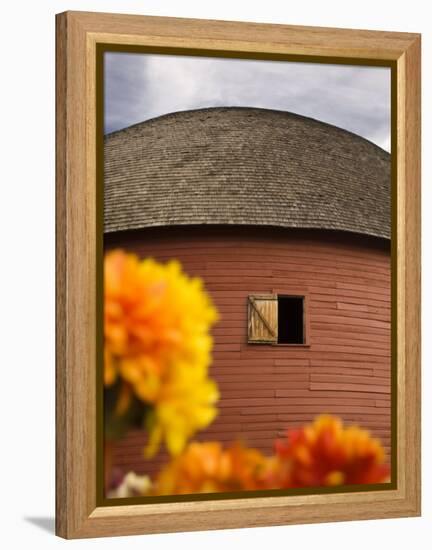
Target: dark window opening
x: 290, y: 320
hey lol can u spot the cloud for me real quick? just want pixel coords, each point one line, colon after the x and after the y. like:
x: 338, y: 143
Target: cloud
x: 142, y: 86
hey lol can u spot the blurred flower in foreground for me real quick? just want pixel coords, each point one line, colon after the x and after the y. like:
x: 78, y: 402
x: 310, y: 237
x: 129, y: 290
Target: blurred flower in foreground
x: 132, y: 485
x: 157, y: 346
x: 327, y: 453
x: 208, y: 468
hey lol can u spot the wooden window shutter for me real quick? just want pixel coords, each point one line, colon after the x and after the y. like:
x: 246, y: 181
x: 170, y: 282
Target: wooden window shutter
x: 263, y: 319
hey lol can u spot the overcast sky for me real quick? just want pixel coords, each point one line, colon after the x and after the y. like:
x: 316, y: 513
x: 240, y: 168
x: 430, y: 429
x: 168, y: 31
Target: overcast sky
x: 142, y: 86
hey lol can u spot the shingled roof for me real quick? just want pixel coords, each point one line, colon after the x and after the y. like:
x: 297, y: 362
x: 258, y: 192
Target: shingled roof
x: 245, y: 166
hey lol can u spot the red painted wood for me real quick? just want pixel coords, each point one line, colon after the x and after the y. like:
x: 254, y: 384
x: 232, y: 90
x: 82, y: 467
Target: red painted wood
x: 265, y: 389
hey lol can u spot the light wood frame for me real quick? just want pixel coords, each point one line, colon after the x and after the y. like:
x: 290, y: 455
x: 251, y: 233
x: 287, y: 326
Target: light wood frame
x: 78, y: 33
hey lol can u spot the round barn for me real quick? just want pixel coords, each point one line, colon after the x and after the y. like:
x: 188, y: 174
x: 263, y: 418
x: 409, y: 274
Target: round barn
x: 287, y: 221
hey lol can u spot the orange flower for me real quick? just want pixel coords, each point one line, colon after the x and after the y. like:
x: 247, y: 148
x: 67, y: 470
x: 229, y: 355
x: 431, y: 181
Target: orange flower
x: 153, y: 311
x: 208, y: 468
x: 157, y: 342
x: 326, y: 453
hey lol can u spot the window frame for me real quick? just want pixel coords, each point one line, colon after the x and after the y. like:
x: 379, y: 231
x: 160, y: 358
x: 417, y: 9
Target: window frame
x: 298, y: 296
x: 284, y: 292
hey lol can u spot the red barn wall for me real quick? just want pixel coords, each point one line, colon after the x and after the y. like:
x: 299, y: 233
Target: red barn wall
x: 344, y: 369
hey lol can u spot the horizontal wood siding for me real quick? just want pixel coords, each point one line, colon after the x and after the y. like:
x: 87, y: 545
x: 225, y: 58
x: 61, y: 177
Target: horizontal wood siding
x: 345, y: 367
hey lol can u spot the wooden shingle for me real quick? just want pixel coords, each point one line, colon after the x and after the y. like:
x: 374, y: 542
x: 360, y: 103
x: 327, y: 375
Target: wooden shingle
x: 245, y: 166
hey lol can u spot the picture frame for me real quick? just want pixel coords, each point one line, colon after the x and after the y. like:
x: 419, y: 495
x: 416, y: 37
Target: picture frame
x: 80, y: 36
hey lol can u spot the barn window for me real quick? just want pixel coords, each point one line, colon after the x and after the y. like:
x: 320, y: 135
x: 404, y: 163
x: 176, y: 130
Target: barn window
x: 290, y: 320
x: 274, y: 319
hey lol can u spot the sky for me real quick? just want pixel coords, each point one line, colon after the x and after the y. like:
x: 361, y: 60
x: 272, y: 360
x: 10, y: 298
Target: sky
x: 143, y: 86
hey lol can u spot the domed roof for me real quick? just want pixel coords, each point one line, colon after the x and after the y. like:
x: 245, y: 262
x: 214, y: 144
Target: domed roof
x: 245, y: 166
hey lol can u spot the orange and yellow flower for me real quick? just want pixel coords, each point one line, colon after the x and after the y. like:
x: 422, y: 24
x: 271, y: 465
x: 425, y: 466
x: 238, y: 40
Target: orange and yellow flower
x: 157, y: 342
x: 326, y: 453
x: 208, y: 468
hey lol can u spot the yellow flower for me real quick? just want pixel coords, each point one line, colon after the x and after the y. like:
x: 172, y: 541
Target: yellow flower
x: 208, y: 468
x: 185, y: 405
x: 156, y: 323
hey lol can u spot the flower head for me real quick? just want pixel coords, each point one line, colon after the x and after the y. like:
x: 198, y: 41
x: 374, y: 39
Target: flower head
x: 132, y: 485
x: 156, y: 323
x: 327, y: 453
x: 208, y: 468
